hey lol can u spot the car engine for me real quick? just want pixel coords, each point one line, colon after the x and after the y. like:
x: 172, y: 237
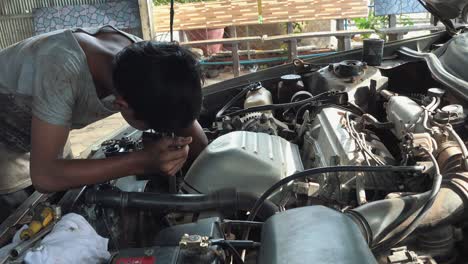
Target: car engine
x: 344, y: 115
x: 337, y: 163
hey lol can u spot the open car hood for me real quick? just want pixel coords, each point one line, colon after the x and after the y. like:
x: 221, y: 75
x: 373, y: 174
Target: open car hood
x: 447, y: 9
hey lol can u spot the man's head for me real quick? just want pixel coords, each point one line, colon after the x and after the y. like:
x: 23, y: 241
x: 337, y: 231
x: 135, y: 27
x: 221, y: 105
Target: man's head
x: 158, y: 85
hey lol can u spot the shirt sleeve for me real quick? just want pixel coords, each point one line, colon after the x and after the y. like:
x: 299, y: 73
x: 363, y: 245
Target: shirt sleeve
x: 53, y: 91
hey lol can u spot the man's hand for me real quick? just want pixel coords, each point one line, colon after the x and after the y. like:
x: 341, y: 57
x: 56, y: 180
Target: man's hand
x: 166, y: 155
x: 50, y: 173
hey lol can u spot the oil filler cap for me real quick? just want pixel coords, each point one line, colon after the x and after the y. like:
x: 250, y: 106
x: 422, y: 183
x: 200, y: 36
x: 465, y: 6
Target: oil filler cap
x: 452, y: 114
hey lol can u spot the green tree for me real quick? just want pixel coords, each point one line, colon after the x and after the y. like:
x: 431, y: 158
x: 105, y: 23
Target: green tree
x: 371, y: 22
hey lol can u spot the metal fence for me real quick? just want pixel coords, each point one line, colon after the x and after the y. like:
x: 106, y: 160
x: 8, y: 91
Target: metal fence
x: 16, y: 17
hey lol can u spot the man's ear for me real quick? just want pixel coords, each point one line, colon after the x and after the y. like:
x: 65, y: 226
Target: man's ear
x: 120, y: 104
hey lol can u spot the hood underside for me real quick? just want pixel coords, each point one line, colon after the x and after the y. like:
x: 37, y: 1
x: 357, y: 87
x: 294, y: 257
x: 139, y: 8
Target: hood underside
x: 448, y: 9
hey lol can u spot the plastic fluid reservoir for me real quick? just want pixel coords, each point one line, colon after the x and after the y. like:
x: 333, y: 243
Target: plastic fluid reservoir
x: 257, y: 97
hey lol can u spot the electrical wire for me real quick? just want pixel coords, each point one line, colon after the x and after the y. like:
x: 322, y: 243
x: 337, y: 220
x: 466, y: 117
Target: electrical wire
x: 364, y: 148
x: 278, y: 106
x: 458, y: 139
x: 437, y: 182
x: 348, y: 108
x: 241, y: 222
x: 232, y: 101
x: 315, y: 172
x: 355, y: 135
x: 235, y: 254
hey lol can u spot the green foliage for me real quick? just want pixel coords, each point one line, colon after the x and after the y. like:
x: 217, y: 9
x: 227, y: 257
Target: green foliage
x: 298, y: 27
x: 406, y: 21
x: 370, y: 22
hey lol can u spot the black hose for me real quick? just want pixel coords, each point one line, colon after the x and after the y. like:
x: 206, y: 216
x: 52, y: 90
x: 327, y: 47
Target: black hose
x: 245, y: 201
x: 241, y: 222
x: 387, y: 217
x: 314, y: 99
x: 225, y: 200
x: 232, y: 101
x: 395, y: 239
x: 228, y: 201
x: 348, y: 108
x: 317, y: 171
x: 380, y: 218
x: 367, y: 118
x: 235, y: 254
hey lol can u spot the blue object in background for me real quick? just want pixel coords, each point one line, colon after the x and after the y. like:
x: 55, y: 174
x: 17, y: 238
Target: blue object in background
x: 397, y: 7
x: 121, y: 14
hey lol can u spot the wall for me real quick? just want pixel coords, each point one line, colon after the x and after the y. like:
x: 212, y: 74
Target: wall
x: 397, y: 7
x: 123, y: 15
x: 223, y: 13
x: 17, y: 18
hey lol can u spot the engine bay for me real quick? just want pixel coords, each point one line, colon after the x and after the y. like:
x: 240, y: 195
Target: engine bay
x: 331, y: 163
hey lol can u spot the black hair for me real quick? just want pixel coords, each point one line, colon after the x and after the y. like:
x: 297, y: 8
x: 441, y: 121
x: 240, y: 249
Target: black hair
x: 161, y: 82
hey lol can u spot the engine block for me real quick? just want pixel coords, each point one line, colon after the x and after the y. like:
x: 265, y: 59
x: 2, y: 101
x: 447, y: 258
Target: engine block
x: 327, y: 142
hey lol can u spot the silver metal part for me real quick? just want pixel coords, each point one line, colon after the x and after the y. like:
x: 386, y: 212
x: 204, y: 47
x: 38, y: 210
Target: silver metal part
x: 406, y: 115
x: 24, y: 246
x: 262, y: 123
x: 194, y: 242
x: 326, y: 80
x: 306, y: 188
x: 248, y: 161
x: 402, y: 255
x: 131, y: 184
x: 327, y: 142
x: 14, y: 219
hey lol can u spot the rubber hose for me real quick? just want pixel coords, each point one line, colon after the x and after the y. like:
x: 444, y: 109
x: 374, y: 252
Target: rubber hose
x: 245, y: 201
x: 379, y: 217
x: 225, y: 200
x: 228, y: 201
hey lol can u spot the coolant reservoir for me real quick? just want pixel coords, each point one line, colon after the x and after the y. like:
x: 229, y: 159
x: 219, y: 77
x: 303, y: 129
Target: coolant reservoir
x: 259, y: 96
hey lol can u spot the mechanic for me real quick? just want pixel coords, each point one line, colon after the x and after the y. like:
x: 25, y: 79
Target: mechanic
x: 67, y: 79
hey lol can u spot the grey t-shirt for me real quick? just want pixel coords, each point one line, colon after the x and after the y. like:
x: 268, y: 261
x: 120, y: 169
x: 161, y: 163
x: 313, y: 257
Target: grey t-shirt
x: 46, y: 76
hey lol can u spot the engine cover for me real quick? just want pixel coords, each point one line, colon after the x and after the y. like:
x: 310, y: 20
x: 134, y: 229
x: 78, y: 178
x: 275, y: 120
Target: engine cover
x: 248, y: 161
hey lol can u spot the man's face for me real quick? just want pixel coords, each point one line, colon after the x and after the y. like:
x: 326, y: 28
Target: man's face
x: 130, y: 118
x: 129, y: 114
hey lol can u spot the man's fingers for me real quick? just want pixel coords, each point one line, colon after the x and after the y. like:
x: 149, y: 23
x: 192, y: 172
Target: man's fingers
x: 175, y: 154
x: 173, y: 143
x: 171, y: 168
x: 181, y: 141
x: 177, y: 168
x: 165, y: 142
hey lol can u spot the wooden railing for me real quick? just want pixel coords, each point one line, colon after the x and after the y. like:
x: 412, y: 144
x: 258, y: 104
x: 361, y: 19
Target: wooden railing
x: 343, y: 36
x: 397, y: 33
x: 226, y: 13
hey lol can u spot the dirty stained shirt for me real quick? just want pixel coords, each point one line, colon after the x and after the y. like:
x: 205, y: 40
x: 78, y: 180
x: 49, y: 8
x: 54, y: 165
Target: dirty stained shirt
x: 46, y: 76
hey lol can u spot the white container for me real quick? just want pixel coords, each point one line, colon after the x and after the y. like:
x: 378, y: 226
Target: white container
x: 258, y: 97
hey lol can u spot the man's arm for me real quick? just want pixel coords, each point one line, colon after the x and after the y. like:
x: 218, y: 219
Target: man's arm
x: 50, y: 173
